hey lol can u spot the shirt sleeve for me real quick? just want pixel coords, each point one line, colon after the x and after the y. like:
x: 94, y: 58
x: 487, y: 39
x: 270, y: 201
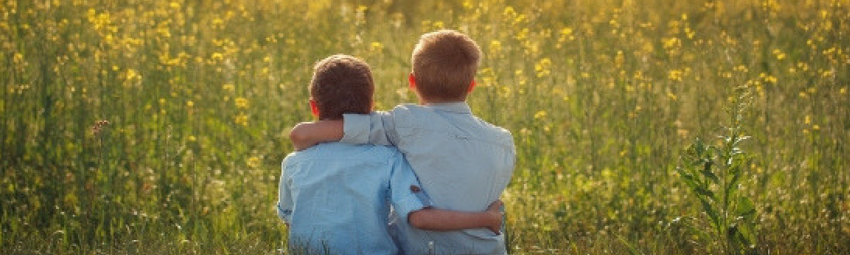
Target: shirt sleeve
x: 375, y: 128
x: 406, y: 192
x: 284, y: 203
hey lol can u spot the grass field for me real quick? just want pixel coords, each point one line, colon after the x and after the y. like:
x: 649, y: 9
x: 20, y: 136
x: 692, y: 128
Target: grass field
x: 156, y: 126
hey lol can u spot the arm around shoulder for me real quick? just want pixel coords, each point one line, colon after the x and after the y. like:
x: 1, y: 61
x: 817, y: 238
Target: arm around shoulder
x: 446, y: 220
x: 306, y: 134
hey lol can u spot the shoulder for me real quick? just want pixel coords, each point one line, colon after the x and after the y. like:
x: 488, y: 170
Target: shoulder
x: 291, y: 158
x: 499, y: 131
x: 412, y: 113
x: 337, y: 151
x: 499, y: 134
x: 383, y: 151
x: 406, y: 109
x: 297, y: 160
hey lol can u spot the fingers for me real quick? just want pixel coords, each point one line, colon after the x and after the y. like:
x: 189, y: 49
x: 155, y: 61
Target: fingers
x: 496, y: 205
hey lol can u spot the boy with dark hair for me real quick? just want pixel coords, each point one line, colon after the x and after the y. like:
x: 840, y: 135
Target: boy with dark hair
x: 462, y: 161
x: 335, y: 197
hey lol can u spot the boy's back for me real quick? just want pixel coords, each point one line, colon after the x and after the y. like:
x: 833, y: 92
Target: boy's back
x: 462, y: 161
x: 335, y: 195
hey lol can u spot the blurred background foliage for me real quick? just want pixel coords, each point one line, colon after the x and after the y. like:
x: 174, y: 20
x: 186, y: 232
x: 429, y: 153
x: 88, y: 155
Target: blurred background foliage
x: 158, y: 126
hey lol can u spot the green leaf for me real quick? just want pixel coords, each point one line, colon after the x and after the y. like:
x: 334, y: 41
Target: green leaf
x: 706, y: 171
x: 729, y: 190
x: 698, y: 146
x: 746, y: 208
x: 689, y: 180
x: 631, y: 248
x: 736, y: 239
x: 705, y: 192
x: 747, y: 237
x: 715, y: 220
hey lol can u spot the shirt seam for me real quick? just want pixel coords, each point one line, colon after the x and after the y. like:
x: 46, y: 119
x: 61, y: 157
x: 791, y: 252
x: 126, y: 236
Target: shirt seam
x: 464, y: 137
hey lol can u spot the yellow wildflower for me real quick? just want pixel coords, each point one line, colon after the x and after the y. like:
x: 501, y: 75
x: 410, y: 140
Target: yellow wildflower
x: 566, y: 34
x: 672, y: 43
x: 543, y: 67
x: 377, y: 47
x: 229, y: 87
x: 241, y: 119
x: 540, y: 115
x: 438, y: 25
x: 18, y: 58
x: 217, y: 56
x: 495, y: 46
x: 132, y: 75
x: 779, y: 54
x: 619, y: 59
x: 770, y: 79
x: 509, y: 13
x: 253, y: 162
x: 217, y: 23
x: 675, y: 75
x: 241, y: 102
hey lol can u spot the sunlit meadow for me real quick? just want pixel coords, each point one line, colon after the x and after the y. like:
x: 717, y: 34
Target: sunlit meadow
x: 158, y: 126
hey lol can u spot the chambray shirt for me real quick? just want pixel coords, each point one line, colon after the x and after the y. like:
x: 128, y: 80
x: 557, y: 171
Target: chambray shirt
x: 336, y: 197
x: 462, y: 161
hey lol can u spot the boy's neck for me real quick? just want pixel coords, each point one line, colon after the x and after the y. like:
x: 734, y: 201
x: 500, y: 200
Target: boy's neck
x: 423, y: 101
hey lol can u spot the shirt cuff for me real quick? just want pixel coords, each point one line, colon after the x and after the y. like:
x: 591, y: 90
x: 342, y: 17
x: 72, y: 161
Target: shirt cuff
x: 356, y: 128
x: 411, y: 203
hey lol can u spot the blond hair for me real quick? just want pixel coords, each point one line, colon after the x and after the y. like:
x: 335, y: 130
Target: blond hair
x: 444, y: 65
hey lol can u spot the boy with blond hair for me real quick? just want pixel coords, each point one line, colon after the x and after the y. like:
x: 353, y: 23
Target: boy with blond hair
x: 335, y: 197
x: 462, y: 161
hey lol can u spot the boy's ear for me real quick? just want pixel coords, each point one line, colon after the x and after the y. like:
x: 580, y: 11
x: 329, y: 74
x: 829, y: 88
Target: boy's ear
x: 314, y: 108
x: 411, y: 81
x: 471, y: 86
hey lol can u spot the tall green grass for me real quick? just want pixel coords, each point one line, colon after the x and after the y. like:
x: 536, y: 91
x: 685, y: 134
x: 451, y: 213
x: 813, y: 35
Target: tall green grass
x: 601, y: 96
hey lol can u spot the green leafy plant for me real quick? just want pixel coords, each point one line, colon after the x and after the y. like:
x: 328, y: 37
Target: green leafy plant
x: 714, y: 174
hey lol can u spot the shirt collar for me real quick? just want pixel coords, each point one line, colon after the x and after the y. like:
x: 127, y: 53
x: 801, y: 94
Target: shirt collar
x: 456, y: 107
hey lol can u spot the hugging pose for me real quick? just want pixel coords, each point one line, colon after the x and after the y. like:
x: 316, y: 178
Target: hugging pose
x: 418, y: 179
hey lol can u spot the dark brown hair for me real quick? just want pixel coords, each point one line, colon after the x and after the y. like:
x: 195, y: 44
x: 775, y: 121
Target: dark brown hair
x: 444, y: 65
x: 342, y: 84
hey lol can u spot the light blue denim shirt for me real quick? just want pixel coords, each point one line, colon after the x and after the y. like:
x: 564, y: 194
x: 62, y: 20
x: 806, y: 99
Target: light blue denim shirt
x: 336, y: 197
x: 462, y: 161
